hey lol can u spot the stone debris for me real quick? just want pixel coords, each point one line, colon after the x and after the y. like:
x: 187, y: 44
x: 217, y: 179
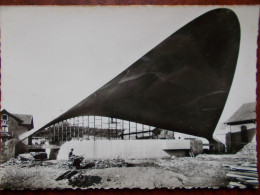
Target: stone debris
x: 101, y: 164
x: 66, y: 175
x: 249, y: 149
x: 84, y: 181
x: 39, y: 155
x: 27, y: 159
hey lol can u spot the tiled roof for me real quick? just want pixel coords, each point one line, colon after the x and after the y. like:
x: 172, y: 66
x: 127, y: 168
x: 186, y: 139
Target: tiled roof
x: 27, y: 119
x: 246, y: 112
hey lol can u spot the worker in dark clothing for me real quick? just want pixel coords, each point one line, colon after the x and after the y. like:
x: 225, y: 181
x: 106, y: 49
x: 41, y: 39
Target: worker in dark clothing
x: 74, y: 161
x: 71, y: 153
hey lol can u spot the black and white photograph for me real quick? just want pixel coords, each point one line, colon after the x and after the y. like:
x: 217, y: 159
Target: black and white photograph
x: 113, y: 97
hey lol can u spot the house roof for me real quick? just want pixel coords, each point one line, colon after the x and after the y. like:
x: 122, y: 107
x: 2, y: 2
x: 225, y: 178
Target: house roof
x: 26, y: 118
x: 245, y: 114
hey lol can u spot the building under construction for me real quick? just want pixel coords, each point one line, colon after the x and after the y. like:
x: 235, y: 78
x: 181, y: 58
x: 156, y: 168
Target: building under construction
x: 180, y: 85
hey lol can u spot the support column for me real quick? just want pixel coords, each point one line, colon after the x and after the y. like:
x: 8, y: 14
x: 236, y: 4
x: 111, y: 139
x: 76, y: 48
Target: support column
x: 67, y: 130
x: 62, y: 131
x: 88, y: 127
x: 74, y: 128
x: 50, y: 134
x: 94, y: 128
x: 108, y: 128
x: 136, y: 130
x: 129, y: 130
x: 122, y: 129
x: 82, y: 130
x: 58, y: 131
x: 78, y: 127
x: 101, y: 130
x: 54, y: 138
x: 70, y: 129
x: 116, y: 130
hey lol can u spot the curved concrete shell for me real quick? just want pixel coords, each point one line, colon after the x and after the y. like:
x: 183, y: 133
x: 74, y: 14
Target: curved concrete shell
x: 182, y: 84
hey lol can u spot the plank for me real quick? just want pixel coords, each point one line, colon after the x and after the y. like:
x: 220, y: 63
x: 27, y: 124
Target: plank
x: 252, y: 181
x: 240, y: 176
x: 236, y: 184
x: 250, y: 174
x: 244, y: 168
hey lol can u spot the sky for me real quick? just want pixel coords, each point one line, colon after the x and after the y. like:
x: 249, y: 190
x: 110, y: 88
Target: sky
x: 53, y: 57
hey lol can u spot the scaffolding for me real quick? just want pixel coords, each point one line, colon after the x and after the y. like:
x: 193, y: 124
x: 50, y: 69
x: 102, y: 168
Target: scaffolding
x: 98, y: 128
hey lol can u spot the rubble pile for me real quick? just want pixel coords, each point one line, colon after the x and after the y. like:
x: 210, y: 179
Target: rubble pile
x: 20, y: 160
x: 13, y: 161
x: 39, y: 155
x: 84, y: 181
x: 101, y: 164
x: 249, y: 149
x: 66, y: 175
x: 27, y: 159
x: 64, y: 165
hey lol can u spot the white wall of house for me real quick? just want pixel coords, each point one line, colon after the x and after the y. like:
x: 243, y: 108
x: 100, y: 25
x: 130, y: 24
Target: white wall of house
x: 237, y: 128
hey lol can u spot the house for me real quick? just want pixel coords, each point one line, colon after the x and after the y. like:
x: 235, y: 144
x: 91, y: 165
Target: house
x: 242, y: 127
x: 13, y: 125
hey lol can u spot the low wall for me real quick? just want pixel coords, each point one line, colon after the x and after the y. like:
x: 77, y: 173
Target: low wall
x: 10, y: 149
x: 126, y: 149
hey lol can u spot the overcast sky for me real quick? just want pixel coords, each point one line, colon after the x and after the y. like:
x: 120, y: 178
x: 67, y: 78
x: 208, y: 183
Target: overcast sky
x: 54, y: 57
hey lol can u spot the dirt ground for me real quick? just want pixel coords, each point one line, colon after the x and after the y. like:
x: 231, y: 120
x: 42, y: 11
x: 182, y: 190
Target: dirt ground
x: 201, y: 171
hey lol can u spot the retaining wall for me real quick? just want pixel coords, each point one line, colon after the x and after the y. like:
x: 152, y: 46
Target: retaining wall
x: 126, y: 149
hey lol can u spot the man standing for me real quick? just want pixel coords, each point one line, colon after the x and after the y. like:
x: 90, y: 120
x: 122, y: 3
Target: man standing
x: 71, y: 153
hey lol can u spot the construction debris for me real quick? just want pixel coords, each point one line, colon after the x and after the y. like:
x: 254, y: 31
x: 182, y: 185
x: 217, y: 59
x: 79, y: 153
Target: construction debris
x: 26, y: 157
x: 84, y: 181
x: 101, y: 164
x: 39, y: 155
x: 243, y: 175
x: 249, y: 149
x: 66, y: 175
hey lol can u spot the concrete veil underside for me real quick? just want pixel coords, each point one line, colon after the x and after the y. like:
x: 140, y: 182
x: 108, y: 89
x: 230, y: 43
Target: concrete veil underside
x: 182, y: 84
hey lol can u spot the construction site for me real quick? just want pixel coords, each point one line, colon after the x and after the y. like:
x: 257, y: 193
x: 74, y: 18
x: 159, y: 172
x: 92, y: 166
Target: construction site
x: 150, y: 127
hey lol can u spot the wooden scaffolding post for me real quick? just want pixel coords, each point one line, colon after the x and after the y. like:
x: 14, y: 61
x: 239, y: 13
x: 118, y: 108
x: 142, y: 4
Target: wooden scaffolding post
x: 136, y: 130
x: 94, y: 128
x: 67, y: 130
x: 143, y: 129
x: 116, y: 130
x: 129, y: 130
x: 78, y: 127
x: 54, y: 138
x: 62, y: 131
x: 108, y: 128
x: 122, y: 129
x: 88, y: 127
x: 74, y: 128
x: 82, y: 129
x: 101, y: 129
x: 70, y: 129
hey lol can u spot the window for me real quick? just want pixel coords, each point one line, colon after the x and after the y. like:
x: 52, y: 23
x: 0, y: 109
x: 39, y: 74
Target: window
x: 4, y: 128
x: 5, y: 117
